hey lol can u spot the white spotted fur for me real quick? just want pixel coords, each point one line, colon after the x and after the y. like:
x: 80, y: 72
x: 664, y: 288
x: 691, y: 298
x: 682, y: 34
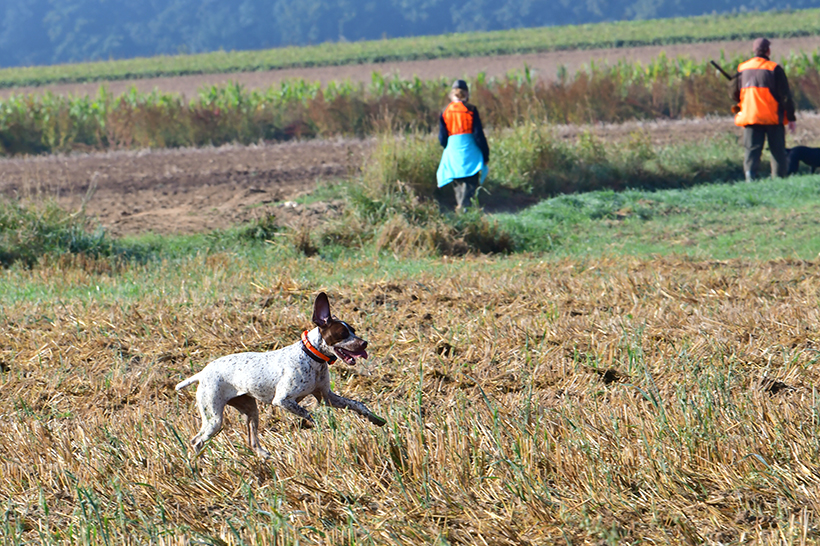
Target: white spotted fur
x: 282, y: 377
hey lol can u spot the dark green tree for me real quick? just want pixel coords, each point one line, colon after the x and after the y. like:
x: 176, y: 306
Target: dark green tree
x: 53, y: 31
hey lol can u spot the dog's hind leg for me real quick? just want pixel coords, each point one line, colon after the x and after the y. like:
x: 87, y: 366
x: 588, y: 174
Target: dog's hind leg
x: 211, y: 411
x: 792, y: 162
x: 341, y: 402
x: 246, y: 404
x: 209, y: 430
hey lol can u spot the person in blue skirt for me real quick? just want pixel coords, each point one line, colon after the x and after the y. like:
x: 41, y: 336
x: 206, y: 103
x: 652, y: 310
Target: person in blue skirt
x: 466, y: 157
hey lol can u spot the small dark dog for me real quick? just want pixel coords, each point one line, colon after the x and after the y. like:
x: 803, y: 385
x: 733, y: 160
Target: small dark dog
x: 809, y: 156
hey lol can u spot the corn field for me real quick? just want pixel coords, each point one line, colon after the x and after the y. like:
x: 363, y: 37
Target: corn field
x: 664, y: 88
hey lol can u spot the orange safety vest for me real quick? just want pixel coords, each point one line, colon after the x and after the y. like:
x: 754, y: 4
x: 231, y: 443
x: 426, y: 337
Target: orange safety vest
x: 757, y: 103
x: 458, y: 119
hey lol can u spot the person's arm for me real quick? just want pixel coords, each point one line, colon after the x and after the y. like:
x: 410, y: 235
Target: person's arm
x: 443, y: 133
x: 735, y: 89
x: 784, y: 97
x: 478, y: 135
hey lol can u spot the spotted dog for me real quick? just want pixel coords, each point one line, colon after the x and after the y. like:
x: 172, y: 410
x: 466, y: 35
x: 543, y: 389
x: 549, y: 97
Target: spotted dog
x: 283, y: 377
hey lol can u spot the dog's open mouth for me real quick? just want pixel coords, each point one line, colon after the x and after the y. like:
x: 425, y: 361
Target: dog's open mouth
x: 350, y: 356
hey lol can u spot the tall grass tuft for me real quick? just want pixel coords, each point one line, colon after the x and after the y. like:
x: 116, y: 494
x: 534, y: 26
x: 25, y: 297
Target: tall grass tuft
x: 401, y: 165
x: 262, y: 229
x: 531, y: 159
x: 27, y: 233
x: 523, y: 158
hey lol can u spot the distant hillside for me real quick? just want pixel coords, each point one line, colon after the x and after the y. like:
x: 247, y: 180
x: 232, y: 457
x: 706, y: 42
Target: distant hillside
x: 37, y: 32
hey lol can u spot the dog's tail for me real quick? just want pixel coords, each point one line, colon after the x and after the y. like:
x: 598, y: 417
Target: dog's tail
x: 192, y: 379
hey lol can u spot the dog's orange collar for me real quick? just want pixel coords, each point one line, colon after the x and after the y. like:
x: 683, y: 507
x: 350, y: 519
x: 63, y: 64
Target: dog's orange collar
x: 313, y: 352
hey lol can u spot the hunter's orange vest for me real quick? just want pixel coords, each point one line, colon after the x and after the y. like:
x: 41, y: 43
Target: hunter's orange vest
x: 458, y: 119
x: 757, y: 103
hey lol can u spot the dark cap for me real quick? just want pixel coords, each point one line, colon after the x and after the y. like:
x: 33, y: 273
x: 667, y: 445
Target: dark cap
x: 460, y: 84
x: 761, y: 46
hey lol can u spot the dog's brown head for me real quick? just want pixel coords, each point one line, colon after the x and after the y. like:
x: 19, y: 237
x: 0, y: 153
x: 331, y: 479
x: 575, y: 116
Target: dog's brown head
x: 337, y: 335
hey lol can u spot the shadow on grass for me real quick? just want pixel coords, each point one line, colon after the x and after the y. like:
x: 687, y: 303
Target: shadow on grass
x: 495, y: 198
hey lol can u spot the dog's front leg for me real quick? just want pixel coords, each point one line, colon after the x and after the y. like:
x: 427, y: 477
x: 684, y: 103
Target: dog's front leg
x: 341, y: 402
x: 293, y: 407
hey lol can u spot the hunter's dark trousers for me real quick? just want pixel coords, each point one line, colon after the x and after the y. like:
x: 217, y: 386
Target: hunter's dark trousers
x: 465, y: 189
x: 753, y: 137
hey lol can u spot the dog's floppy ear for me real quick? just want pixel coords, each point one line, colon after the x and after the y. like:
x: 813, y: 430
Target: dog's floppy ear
x: 321, y: 310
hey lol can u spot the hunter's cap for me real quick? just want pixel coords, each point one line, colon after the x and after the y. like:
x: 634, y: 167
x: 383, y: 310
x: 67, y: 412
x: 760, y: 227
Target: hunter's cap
x: 761, y: 46
x: 460, y: 84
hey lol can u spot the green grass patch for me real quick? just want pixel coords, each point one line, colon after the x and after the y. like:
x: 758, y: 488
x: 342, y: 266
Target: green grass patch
x: 594, y: 198
x: 29, y: 233
x: 763, y: 220
x: 741, y: 26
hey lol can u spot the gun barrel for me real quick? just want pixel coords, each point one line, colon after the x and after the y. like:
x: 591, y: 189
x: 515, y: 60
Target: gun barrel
x: 725, y: 74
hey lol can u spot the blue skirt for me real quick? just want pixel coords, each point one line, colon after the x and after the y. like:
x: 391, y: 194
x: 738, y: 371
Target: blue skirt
x: 461, y: 158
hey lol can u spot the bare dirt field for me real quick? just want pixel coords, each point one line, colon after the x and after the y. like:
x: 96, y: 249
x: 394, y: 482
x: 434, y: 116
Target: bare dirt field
x: 183, y: 190
x: 196, y: 190
x: 543, y: 65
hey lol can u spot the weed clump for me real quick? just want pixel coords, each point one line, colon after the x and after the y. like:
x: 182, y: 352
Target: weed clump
x: 524, y: 156
x: 300, y: 238
x: 482, y: 234
x: 396, y: 197
x: 400, y: 165
x: 262, y: 229
x: 28, y: 233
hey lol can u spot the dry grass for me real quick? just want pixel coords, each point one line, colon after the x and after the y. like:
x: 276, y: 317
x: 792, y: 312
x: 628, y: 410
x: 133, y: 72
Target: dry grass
x: 620, y: 401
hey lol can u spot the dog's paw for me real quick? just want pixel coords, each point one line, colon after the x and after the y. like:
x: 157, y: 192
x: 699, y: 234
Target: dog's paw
x: 376, y: 420
x: 306, y: 424
x: 263, y: 454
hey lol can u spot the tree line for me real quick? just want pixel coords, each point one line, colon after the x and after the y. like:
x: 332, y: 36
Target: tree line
x: 37, y: 32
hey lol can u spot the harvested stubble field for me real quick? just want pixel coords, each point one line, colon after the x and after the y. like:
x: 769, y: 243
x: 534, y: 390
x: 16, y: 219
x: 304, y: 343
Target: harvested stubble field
x: 529, y: 402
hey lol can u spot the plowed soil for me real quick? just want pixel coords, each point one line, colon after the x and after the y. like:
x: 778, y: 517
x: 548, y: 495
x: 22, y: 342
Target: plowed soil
x: 184, y: 190
x: 196, y: 190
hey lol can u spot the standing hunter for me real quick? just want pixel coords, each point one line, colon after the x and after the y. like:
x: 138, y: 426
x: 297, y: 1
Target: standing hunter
x: 466, y: 153
x: 764, y: 106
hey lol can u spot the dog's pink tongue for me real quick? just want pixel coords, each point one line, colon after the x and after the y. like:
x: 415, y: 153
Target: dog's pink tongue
x: 362, y: 354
